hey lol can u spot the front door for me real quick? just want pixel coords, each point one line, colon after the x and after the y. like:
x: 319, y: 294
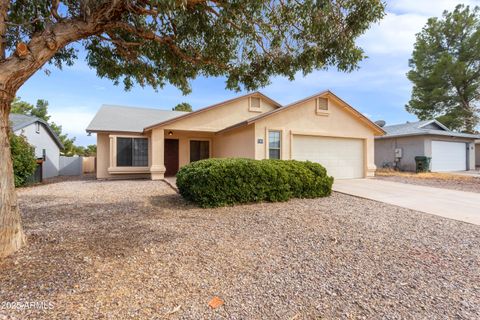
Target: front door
x: 199, y: 149
x: 171, y: 157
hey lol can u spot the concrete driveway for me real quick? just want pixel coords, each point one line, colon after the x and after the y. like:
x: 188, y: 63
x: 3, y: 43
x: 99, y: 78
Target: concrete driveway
x: 453, y: 204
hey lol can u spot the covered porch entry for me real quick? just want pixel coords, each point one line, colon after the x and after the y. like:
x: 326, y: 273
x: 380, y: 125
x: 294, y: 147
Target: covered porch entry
x: 183, y: 147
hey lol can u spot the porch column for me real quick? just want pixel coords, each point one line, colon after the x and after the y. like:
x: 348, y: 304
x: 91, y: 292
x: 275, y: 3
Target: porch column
x: 157, y: 168
x: 369, y: 150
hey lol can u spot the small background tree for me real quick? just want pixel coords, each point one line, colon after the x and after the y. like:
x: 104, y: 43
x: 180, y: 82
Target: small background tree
x: 445, y: 70
x: 184, y: 106
x: 23, y: 158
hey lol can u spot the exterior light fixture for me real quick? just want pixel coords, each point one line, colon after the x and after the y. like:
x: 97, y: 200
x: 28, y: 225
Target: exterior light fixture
x: 170, y: 133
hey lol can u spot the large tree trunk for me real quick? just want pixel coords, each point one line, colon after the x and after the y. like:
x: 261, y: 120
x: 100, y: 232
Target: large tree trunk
x: 12, y: 237
x: 471, y: 119
x: 14, y: 71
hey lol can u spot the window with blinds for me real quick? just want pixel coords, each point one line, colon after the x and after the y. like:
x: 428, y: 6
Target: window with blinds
x: 199, y: 149
x: 274, y: 145
x: 132, y: 152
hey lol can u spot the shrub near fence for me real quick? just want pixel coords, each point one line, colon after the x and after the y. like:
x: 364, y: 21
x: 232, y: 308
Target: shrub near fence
x: 220, y: 182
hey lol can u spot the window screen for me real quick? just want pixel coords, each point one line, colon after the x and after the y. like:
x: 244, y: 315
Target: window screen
x: 132, y: 152
x: 274, y: 144
x: 255, y: 103
x: 124, y: 152
x: 199, y: 150
x: 140, y: 152
x: 322, y: 104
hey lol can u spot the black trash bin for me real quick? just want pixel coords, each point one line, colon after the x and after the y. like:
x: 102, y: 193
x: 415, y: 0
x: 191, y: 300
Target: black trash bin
x: 422, y: 164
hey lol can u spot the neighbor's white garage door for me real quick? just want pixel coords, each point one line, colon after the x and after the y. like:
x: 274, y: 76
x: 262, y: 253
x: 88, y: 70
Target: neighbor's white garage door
x: 343, y: 158
x: 449, y: 156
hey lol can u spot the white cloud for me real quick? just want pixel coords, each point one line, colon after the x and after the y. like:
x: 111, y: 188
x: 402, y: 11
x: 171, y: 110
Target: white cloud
x: 74, y: 120
x: 394, y: 35
x: 427, y: 8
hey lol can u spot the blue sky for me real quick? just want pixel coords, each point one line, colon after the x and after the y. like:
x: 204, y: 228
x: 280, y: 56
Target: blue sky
x: 379, y: 89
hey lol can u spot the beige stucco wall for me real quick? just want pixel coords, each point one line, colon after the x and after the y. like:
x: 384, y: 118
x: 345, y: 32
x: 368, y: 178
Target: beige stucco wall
x: 106, y: 157
x: 238, y: 143
x: 184, y: 138
x: 103, y: 155
x: 204, y: 125
x: 221, y: 117
x: 303, y: 119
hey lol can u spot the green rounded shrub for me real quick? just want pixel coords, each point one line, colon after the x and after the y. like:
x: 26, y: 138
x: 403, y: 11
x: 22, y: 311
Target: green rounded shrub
x: 221, y: 182
x: 23, y: 158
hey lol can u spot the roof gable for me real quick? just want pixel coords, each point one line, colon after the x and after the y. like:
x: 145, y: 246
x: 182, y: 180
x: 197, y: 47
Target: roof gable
x: 433, y: 125
x: 20, y: 121
x: 324, y: 94
x: 425, y: 127
x: 214, y: 106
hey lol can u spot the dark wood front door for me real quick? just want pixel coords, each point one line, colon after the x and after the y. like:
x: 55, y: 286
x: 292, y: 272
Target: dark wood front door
x: 171, y: 157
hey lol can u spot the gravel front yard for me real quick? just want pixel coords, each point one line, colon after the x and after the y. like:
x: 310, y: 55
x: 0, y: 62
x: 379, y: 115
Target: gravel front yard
x: 447, y: 181
x: 135, y: 249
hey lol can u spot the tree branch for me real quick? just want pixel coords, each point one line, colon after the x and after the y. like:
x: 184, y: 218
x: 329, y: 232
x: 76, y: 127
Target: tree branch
x: 4, y: 5
x: 168, y: 41
x: 54, y: 10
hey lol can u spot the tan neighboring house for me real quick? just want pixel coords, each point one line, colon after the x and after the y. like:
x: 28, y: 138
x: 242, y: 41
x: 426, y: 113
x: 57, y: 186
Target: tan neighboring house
x: 152, y: 143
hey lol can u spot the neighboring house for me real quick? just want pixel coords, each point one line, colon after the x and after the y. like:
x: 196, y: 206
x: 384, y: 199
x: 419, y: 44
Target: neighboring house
x: 137, y: 142
x: 450, y: 151
x: 477, y: 154
x: 39, y: 134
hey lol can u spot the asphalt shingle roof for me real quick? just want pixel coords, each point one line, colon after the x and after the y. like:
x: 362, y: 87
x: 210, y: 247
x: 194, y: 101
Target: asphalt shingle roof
x: 128, y: 119
x: 422, y: 128
x: 20, y: 121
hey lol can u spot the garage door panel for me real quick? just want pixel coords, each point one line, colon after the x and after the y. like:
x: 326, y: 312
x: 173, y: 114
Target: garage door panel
x: 448, y: 156
x: 343, y: 158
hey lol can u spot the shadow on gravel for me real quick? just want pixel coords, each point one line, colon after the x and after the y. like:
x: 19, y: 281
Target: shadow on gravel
x: 170, y: 201
x: 66, y: 241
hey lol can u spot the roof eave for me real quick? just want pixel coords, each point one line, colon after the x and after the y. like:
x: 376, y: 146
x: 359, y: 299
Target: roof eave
x: 52, y: 134
x: 370, y: 123
x: 429, y: 133
x: 194, y: 113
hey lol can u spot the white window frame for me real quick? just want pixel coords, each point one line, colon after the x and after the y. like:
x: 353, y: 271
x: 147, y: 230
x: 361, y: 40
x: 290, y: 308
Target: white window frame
x: 113, y: 169
x: 280, y: 141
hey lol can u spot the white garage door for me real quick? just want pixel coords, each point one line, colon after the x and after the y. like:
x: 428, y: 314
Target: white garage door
x: 343, y: 158
x: 449, y: 156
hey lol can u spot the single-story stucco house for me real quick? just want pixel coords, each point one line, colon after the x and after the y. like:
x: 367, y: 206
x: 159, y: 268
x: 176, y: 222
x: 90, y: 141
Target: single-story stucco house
x: 449, y: 150
x: 139, y: 142
x: 46, y: 143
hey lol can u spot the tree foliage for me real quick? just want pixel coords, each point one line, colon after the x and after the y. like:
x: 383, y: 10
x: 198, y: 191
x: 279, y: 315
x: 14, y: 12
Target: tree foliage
x: 445, y: 70
x: 184, y: 106
x: 155, y: 42
x: 23, y: 158
x: 88, y: 151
